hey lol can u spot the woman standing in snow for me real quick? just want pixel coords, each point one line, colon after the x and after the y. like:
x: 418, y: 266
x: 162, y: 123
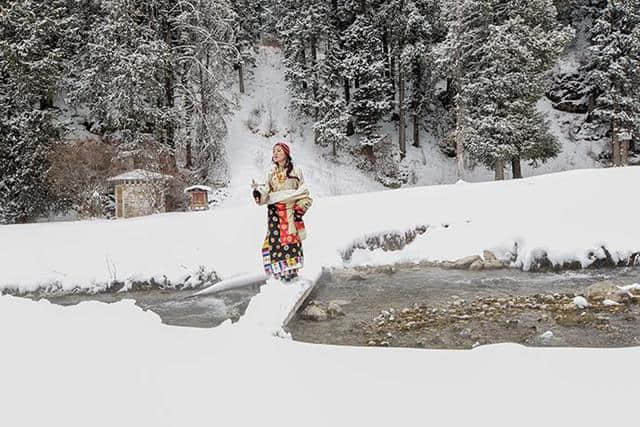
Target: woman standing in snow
x: 287, y: 199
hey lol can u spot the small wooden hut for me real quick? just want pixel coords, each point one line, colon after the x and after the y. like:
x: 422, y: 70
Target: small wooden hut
x: 198, y: 197
x: 139, y: 192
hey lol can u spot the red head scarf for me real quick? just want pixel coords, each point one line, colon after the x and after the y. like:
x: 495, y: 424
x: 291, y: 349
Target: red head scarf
x: 285, y: 148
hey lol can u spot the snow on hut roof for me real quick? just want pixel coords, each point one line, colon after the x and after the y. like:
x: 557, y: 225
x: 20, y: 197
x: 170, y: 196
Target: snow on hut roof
x: 198, y: 187
x: 139, y: 175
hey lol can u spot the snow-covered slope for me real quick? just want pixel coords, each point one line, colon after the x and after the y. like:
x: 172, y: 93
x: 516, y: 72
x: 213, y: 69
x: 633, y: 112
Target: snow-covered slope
x: 569, y: 216
x: 263, y: 118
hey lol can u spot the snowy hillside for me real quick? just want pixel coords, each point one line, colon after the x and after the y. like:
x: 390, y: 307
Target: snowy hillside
x: 264, y: 117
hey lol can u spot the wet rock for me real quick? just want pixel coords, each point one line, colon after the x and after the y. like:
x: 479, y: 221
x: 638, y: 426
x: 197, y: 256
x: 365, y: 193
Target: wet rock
x: 334, y: 310
x: 512, y: 323
x: 314, y: 313
x: 447, y: 265
x: 340, y: 302
x: 356, y: 278
x: 465, y: 263
x: 489, y: 256
x: 546, y: 336
x: 492, y: 265
x: 603, y: 290
x: 476, y: 266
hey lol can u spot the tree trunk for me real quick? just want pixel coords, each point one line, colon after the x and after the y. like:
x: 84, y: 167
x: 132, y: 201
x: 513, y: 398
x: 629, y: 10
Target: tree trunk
x: 615, y: 145
x: 459, y: 106
x: 516, y: 167
x: 499, y: 167
x: 416, y: 130
x: 392, y: 67
x: 240, y: 78
x: 347, y: 91
x: 189, y: 161
x: 169, y: 89
x: 402, y: 138
x: 303, y: 62
x: 624, y: 153
x: 415, y: 102
x: 314, y: 86
x: 388, y: 69
x: 459, y: 140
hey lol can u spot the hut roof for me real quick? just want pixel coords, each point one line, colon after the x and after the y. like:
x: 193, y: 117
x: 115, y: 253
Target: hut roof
x: 198, y: 187
x: 139, y: 175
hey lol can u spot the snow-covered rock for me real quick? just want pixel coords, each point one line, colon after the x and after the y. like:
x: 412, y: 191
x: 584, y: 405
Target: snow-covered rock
x: 581, y: 302
x: 546, y: 335
x: 603, y: 290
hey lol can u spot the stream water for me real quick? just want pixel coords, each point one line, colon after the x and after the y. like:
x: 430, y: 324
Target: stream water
x: 175, y: 307
x: 445, y: 308
x: 421, y: 307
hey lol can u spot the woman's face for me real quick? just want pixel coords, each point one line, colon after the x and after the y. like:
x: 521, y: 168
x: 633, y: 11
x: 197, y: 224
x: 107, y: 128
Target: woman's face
x: 278, y: 155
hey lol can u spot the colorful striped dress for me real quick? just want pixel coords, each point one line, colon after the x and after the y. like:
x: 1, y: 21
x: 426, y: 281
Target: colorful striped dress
x: 282, y: 253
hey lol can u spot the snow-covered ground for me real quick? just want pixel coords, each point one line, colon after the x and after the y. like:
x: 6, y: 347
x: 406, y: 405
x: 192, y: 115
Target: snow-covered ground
x: 113, y: 364
x: 569, y: 216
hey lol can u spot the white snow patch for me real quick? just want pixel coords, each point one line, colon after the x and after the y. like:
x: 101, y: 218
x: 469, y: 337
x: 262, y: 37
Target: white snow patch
x: 581, y: 302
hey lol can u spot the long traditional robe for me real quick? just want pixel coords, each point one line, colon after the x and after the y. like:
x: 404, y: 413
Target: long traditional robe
x: 287, y: 199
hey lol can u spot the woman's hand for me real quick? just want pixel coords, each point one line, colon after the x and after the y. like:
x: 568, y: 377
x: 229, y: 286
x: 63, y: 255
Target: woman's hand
x: 256, y: 196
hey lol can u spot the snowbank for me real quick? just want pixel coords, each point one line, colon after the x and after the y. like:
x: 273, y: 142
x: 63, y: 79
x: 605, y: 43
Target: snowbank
x: 567, y: 217
x: 113, y: 364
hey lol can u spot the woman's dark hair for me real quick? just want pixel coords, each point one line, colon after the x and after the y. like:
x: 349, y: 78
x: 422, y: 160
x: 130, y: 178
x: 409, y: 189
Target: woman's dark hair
x: 290, y: 168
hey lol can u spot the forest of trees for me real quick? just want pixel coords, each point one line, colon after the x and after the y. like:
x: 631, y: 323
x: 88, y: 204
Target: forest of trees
x: 153, y: 78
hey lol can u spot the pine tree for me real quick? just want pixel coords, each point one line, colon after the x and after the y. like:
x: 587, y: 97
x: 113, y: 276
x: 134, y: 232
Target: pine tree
x: 25, y: 144
x: 613, y: 72
x: 365, y: 65
x: 34, y: 37
x: 149, y: 65
x: 412, y: 28
x: 502, y: 50
x: 247, y: 25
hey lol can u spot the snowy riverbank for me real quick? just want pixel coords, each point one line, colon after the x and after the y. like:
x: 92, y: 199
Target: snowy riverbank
x: 564, y: 217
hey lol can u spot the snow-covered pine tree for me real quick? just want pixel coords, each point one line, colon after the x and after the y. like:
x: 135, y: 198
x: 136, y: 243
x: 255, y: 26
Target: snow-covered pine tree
x: 613, y: 71
x: 207, y: 54
x: 365, y: 64
x: 299, y: 33
x: 332, y: 122
x: 247, y: 25
x: 34, y: 38
x: 504, y: 48
x: 149, y: 65
x: 120, y: 75
x: 413, y: 27
x: 467, y: 21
